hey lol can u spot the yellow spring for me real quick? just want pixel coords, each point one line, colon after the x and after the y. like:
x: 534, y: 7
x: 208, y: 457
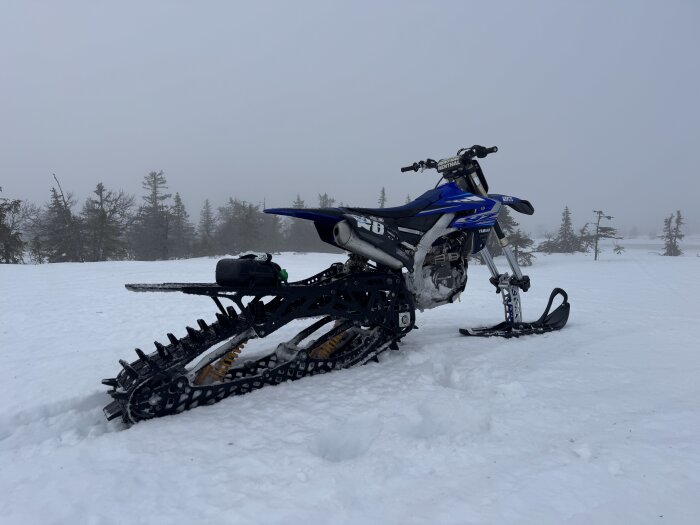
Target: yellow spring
x: 325, y: 350
x: 217, y: 370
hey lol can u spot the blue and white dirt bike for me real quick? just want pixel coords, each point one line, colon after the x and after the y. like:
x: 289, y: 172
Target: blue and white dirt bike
x: 400, y: 259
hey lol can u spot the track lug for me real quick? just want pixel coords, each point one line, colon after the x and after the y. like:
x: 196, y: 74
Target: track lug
x: 231, y: 311
x: 112, y: 381
x: 129, y: 369
x: 119, y: 396
x: 162, y: 352
x: 222, y: 319
x: 173, y: 340
x: 112, y: 411
x: 146, y: 360
x: 193, y: 334
x: 203, y: 326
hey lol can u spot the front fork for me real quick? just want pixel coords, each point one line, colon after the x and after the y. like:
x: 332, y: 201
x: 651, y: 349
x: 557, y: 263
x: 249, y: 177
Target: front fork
x: 508, y: 285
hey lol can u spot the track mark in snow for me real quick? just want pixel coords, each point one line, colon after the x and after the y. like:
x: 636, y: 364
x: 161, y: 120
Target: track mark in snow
x: 346, y: 440
x: 66, y: 423
x: 511, y: 391
x: 451, y: 418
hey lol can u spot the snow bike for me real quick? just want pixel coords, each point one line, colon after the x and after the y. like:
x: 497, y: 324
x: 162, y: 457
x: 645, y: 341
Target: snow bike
x: 401, y: 259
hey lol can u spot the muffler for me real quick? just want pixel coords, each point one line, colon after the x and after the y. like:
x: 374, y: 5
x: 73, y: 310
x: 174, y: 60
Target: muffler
x: 345, y: 237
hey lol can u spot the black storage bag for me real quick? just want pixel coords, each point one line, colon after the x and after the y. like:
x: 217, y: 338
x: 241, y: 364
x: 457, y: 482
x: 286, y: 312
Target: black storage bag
x: 247, y: 272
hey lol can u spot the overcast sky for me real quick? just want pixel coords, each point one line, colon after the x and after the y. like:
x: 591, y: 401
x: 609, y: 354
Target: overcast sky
x: 593, y: 104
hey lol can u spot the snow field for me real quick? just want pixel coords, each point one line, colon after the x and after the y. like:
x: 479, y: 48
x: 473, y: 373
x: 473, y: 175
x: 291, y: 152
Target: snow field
x: 598, y: 423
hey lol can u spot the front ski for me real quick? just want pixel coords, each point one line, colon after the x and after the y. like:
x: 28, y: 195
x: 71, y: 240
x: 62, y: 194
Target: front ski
x: 548, y: 322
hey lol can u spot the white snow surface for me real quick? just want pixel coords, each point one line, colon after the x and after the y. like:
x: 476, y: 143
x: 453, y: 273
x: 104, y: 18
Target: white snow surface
x: 596, y: 424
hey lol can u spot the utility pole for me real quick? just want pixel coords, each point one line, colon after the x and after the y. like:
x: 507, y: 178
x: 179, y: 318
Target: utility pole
x: 600, y: 214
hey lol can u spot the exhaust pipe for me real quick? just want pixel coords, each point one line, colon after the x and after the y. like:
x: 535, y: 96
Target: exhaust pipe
x: 345, y: 237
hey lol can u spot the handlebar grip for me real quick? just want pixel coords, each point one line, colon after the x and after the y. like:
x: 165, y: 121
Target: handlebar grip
x: 481, y: 151
x: 413, y: 167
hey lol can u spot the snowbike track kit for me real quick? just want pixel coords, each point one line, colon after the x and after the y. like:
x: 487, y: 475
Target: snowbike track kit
x: 401, y: 259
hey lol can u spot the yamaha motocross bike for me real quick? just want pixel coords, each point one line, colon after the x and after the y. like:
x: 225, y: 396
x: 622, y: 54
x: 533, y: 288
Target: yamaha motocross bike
x: 400, y: 259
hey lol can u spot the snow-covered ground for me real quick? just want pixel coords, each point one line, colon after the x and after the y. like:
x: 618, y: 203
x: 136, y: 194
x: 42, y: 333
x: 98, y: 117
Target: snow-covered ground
x: 596, y: 424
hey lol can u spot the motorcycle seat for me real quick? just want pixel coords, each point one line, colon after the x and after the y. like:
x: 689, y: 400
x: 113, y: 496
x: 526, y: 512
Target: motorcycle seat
x: 407, y: 210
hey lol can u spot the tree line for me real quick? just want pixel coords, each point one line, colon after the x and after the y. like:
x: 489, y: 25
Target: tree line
x: 587, y: 238
x: 110, y: 225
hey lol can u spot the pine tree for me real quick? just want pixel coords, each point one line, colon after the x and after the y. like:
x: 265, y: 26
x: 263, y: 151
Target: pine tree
x: 300, y: 235
x: 206, y: 230
x: 565, y: 241
x: 602, y: 232
x: 521, y: 242
x: 11, y: 243
x: 382, y: 198
x: 677, y: 234
x: 106, y: 218
x: 567, y: 238
x: 240, y: 227
x: 31, y: 224
x: 58, y: 231
x: 586, y: 239
x: 270, y: 233
x: 151, y: 232
x: 181, y: 230
x: 325, y: 201
x: 672, y: 234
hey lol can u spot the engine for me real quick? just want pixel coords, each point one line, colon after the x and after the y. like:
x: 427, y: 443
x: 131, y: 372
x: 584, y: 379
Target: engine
x: 443, y: 275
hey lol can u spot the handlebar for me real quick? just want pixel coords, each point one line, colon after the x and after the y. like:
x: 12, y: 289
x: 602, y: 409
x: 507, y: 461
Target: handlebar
x: 481, y: 151
x: 464, y: 155
x: 426, y: 164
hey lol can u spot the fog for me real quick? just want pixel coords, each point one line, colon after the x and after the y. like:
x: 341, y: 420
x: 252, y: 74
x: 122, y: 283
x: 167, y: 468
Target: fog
x: 593, y: 105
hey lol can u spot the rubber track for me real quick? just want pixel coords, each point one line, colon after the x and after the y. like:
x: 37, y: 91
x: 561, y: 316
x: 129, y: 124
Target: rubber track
x: 155, y: 385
